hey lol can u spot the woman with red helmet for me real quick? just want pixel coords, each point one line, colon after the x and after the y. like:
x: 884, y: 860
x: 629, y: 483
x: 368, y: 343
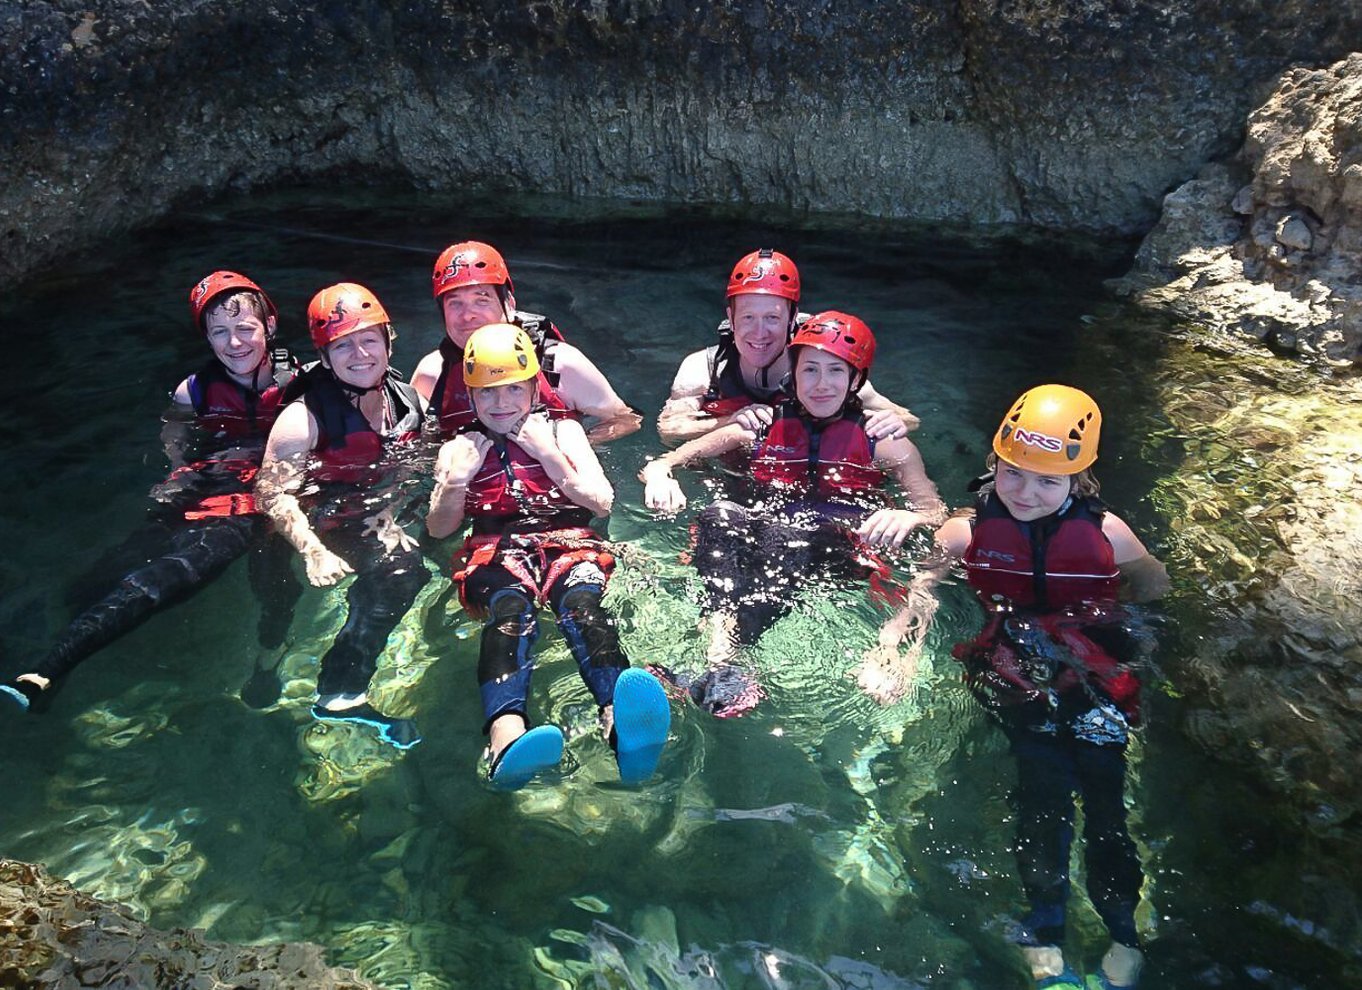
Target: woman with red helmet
x: 1055, y: 664
x: 337, y: 442
x: 472, y: 287
x: 818, y: 496
x: 743, y: 377
x: 203, y: 517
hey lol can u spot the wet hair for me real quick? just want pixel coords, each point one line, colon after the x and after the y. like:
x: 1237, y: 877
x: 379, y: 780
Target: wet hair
x: 234, y: 303
x: 1084, y: 483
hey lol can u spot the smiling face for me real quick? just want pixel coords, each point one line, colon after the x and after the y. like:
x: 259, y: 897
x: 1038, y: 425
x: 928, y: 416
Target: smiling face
x: 469, y: 307
x: 1030, y: 495
x: 761, y: 328
x: 237, y: 335
x: 822, y: 381
x: 360, y: 358
x: 501, y: 408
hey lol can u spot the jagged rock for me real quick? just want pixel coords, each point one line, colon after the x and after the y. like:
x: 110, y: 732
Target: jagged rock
x: 1057, y: 113
x: 52, y: 935
x: 1270, y: 244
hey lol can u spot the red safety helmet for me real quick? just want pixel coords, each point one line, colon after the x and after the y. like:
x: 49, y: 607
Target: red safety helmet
x: 343, y: 309
x: 765, y: 273
x: 469, y: 263
x: 841, y: 335
x: 208, y: 288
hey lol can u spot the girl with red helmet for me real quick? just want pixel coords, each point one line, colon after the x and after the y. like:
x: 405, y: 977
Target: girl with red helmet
x: 1053, y: 664
x: 472, y: 287
x: 203, y: 518
x: 338, y: 441
x: 818, y: 498
x: 743, y: 377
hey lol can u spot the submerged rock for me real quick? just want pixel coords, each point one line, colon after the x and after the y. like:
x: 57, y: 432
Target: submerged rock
x: 53, y: 935
x: 1269, y: 245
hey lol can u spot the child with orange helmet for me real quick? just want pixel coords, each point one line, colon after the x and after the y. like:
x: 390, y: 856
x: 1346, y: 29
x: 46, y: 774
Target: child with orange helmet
x: 341, y: 442
x: 531, y: 487
x: 203, y: 518
x: 817, y: 501
x: 1049, y: 563
x: 473, y: 287
x: 743, y: 377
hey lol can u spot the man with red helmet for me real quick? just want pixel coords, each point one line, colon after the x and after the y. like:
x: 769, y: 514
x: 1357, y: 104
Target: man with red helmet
x: 473, y: 288
x: 204, y: 517
x: 818, y: 499
x: 337, y: 440
x: 743, y: 377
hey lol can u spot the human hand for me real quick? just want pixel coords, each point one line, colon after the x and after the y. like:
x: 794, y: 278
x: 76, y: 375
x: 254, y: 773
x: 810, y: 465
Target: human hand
x: 885, y: 424
x: 460, y: 459
x: 385, y: 528
x: 753, y: 418
x: 663, y: 493
x: 889, y: 527
x: 535, y: 434
x: 885, y: 674
x: 324, y: 568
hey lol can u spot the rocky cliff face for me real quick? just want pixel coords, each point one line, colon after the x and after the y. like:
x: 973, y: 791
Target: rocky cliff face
x: 1062, y: 114
x: 1269, y: 244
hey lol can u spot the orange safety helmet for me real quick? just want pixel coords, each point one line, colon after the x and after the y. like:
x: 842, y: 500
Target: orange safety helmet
x: 765, y: 273
x: 841, y: 335
x: 208, y: 288
x: 469, y: 263
x: 343, y: 309
x: 1051, y: 429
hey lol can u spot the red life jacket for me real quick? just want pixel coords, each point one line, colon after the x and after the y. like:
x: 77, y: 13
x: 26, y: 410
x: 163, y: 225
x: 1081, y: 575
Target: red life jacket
x: 348, y: 449
x: 831, y: 458
x: 1050, y: 569
x: 450, y: 401
x: 1049, y: 564
x: 512, y: 490
x: 229, y: 408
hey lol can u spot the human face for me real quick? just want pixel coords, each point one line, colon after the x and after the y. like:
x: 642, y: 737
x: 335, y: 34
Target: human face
x: 238, y: 340
x: 822, y: 381
x: 1030, y: 495
x: 469, y: 307
x: 360, y: 358
x: 761, y: 328
x: 502, y: 408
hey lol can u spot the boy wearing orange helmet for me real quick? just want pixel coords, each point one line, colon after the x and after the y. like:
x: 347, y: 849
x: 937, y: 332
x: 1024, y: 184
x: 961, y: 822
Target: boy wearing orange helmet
x: 818, y: 498
x: 338, y: 439
x: 204, y: 518
x: 472, y: 286
x: 743, y: 377
x: 1049, y: 563
x: 531, y: 486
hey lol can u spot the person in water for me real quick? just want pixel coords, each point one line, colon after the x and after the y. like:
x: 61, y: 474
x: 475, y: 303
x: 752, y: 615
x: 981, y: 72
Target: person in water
x: 473, y: 287
x: 819, y: 509
x: 343, y: 440
x: 745, y: 376
x: 203, y: 517
x: 531, y: 486
x: 1053, y: 664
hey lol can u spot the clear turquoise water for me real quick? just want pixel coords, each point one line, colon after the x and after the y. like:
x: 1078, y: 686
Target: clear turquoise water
x: 820, y: 842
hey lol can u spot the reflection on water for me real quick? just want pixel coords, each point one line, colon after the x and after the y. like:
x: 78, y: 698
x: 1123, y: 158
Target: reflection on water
x: 819, y: 841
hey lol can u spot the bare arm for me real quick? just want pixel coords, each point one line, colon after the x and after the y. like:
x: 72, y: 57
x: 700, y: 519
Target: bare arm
x: 176, y: 431
x: 681, y: 418
x: 456, y: 465
x: 890, y: 527
x: 427, y: 373
x: 586, y: 390
x: 1143, y: 576
x: 577, y: 471
x: 281, y: 476
x: 886, y: 673
x: 660, y: 489
x: 886, y: 418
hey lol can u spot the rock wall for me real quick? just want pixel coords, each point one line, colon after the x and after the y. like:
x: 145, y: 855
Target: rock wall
x: 1052, y: 112
x: 1269, y: 245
